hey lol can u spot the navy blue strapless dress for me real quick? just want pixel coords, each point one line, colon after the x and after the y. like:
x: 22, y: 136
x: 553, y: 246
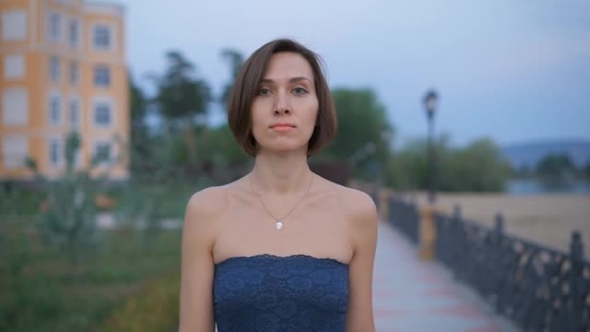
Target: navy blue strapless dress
x: 267, y: 293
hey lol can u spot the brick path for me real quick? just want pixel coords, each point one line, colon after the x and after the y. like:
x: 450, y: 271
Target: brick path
x: 413, y: 295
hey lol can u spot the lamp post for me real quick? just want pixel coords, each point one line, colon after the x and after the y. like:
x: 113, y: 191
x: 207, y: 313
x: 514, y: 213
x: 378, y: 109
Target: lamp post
x: 430, y: 103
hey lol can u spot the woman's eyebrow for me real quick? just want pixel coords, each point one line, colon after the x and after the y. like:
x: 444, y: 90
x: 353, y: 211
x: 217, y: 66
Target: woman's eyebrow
x: 293, y: 80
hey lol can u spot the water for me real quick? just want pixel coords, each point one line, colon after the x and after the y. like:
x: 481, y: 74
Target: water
x: 533, y: 187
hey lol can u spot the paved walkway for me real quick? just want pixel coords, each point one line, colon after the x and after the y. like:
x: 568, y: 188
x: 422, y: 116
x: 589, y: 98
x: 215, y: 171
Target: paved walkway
x: 413, y: 295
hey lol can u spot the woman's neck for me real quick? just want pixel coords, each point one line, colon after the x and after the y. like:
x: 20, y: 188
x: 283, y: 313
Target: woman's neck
x: 281, y: 174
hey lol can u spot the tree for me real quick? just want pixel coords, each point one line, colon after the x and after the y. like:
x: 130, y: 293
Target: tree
x: 364, y: 131
x: 181, y: 95
x: 477, y: 167
x: 182, y: 99
x: 219, y: 144
x: 139, y: 142
x: 235, y: 60
x: 555, y: 167
x: 410, y: 163
x: 138, y: 105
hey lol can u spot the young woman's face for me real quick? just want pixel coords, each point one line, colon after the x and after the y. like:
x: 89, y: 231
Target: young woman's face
x: 285, y: 108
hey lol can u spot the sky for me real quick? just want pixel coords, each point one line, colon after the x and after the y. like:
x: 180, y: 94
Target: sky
x: 513, y: 71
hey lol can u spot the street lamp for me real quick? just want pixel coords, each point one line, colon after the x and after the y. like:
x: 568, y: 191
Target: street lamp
x: 430, y: 103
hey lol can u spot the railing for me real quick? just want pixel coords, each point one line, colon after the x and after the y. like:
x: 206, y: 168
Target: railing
x: 406, y: 218
x: 539, y: 288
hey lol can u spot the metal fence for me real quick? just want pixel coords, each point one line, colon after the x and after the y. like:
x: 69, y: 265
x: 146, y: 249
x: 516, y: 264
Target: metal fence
x: 405, y: 216
x: 539, y: 288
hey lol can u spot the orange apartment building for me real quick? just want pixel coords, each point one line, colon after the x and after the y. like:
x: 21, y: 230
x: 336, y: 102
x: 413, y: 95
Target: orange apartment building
x: 62, y: 69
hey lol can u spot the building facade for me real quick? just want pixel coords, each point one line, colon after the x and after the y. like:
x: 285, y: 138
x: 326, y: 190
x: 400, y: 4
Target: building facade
x: 62, y: 69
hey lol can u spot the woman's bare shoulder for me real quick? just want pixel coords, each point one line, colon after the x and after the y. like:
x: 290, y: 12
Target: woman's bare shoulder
x: 208, y: 201
x: 213, y: 201
x: 203, y: 211
x: 357, y: 206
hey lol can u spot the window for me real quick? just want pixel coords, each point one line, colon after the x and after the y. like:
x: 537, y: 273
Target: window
x: 102, y: 114
x: 54, y: 27
x: 54, y: 109
x: 14, y: 66
x: 74, y: 33
x: 15, y: 149
x: 56, y: 152
x: 102, y: 152
x: 14, y: 25
x: 102, y: 76
x: 15, y: 107
x: 102, y: 37
x: 74, y: 112
x: 74, y: 73
x: 54, y: 68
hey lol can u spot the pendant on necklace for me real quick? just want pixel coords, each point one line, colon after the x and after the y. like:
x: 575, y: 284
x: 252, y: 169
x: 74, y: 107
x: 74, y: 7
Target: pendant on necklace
x: 279, y: 225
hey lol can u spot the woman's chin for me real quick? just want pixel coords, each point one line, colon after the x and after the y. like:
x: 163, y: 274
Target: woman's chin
x: 285, y: 149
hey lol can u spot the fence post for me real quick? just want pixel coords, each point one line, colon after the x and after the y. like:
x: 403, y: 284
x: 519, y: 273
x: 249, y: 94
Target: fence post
x: 576, y: 280
x: 427, y: 233
x: 457, y: 233
x: 499, y: 268
x: 457, y: 211
x: 499, y: 223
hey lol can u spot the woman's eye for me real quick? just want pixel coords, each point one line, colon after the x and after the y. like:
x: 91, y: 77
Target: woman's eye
x: 300, y: 91
x: 263, y: 92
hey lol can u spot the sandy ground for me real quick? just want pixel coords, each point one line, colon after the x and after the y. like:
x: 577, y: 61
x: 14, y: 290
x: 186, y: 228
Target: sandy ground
x: 547, y: 219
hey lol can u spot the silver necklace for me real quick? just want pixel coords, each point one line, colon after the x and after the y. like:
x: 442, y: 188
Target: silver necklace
x: 279, y: 221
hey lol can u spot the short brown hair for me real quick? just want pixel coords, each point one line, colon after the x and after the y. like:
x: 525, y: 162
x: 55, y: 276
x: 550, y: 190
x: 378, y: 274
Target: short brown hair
x: 246, y: 85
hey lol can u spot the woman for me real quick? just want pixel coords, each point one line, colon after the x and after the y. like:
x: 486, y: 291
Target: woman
x: 280, y: 249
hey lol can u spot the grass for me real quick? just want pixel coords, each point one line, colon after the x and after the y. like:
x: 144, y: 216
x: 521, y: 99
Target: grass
x: 47, y: 292
x: 43, y: 290
x: 155, y: 308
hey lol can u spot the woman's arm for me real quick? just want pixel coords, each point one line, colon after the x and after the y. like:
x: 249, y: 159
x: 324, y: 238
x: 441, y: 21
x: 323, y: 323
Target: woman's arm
x: 362, y: 216
x: 197, y: 266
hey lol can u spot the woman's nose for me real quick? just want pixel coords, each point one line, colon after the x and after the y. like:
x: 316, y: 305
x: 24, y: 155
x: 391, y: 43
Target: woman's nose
x: 282, y: 105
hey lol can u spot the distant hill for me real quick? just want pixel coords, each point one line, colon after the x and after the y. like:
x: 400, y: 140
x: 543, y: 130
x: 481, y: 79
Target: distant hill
x: 529, y: 154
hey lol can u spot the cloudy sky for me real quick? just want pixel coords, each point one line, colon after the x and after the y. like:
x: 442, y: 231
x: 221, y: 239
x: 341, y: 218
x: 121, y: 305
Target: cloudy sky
x: 511, y: 70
